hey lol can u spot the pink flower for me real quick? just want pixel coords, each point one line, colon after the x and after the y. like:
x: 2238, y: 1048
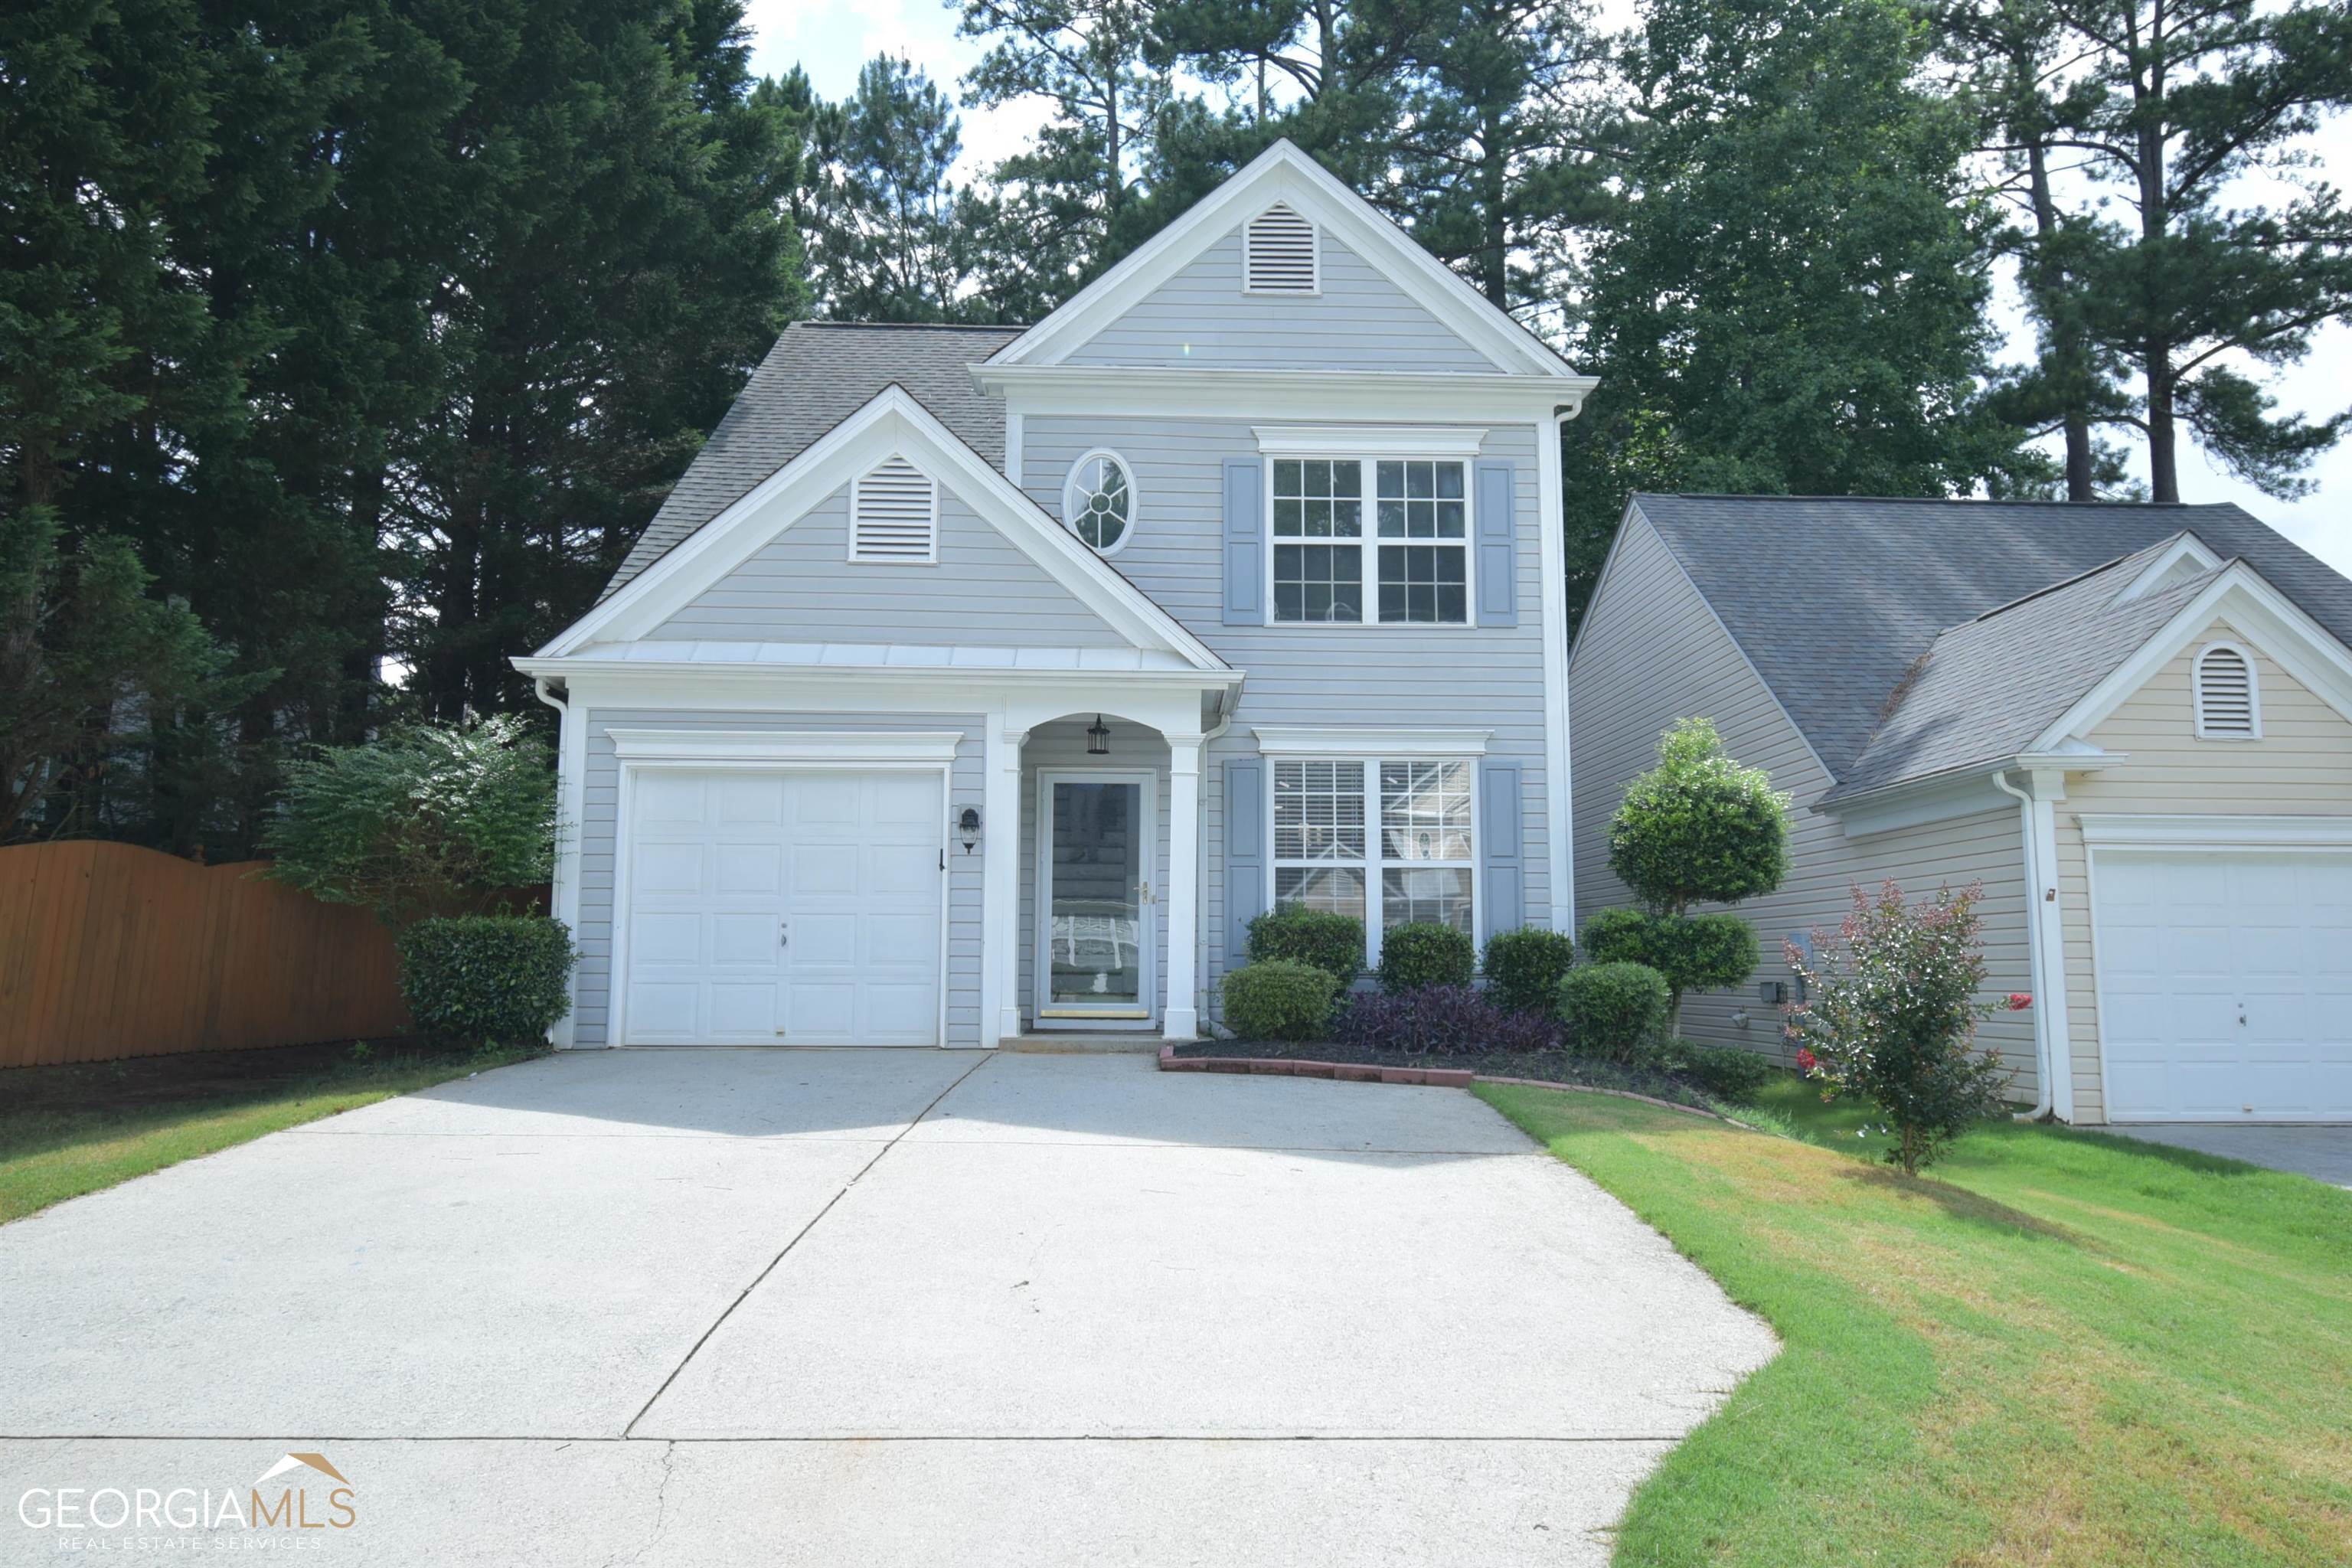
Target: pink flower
x: 1806, y: 1061
x: 2019, y: 1001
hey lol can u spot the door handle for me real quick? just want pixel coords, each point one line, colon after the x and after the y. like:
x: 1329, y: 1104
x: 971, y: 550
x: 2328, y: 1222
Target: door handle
x: 1143, y: 892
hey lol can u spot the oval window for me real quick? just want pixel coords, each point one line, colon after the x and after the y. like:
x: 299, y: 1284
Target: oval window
x: 1098, y: 503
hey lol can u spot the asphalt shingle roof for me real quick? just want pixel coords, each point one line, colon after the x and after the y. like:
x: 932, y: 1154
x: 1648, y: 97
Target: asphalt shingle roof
x: 1835, y: 599
x: 819, y: 373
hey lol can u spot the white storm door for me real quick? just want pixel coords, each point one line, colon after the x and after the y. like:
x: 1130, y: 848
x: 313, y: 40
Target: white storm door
x: 862, y: 880
x: 2225, y: 984
x: 705, y: 938
x: 1096, y: 944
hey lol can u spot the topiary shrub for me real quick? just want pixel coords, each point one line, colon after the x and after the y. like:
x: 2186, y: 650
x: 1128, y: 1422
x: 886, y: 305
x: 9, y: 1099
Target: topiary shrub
x: 487, y: 980
x: 1280, y: 999
x: 1442, y: 1020
x: 1614, y: 1011
x: 1694, y: 953
x: 1726, y: 1072
x: 1524, y: 968
x: 1420, y: 954
x: 1331, y: 941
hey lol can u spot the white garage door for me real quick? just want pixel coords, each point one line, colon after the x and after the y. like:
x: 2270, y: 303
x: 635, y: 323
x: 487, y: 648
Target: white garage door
x: 784, y: 908
x: 2225, y: 984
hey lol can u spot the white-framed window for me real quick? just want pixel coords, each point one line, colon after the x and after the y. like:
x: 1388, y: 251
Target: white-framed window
x: 1412, y: 569
x: 1384, y: 842
x: 2228, y: 701
x: 1098, y: 502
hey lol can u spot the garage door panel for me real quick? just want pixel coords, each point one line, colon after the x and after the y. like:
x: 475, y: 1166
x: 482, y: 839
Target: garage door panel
x: 719, y: 861
x: 2246, y: 1014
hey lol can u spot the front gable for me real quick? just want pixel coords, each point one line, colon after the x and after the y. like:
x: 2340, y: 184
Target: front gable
x: 2296, y: 736
x: 1186, y: 286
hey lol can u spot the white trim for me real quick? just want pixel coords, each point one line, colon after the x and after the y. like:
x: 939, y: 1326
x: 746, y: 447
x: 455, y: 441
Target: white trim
x: 1344, y: 745
x: 616, y: 981
x: 1232, y: 393
x: 1148, y: 916
x: 2245, y: 656
x: 1369, y: 440
x: 2113, y: 829
x: 2306, y: 650
x: 570, y: 803
x: 1282, y: 173
x: 1314, y: 253
x: 1552, y: 623
x: 892, y: 421
x: 829, y: 746
x: 1013, y: 438
x: 1367, y: 542
x: 2186, y: 558
x: 690, y: 683
x: 1134, y: 498
x: 1963, y: 792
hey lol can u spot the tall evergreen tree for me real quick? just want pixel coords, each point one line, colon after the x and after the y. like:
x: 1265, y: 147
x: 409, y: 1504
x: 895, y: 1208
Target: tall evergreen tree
x: 1793, y: 298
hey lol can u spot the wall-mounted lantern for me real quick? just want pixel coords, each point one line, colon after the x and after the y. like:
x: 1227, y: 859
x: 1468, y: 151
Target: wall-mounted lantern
x: 1099, y: 738
x: 968, y: 828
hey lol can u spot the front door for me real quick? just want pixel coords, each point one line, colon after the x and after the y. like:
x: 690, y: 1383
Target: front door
x: 1096, y: 945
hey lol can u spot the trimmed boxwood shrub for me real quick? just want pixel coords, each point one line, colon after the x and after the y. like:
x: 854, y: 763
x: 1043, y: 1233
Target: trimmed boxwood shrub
x: 1524, y: 968
x: 1331, y: 941
x: 1279, y: 1000
x: 1420, y: 954
x: 1727, y: 1072
x: 1613, y: 1010
x: 485, y: 980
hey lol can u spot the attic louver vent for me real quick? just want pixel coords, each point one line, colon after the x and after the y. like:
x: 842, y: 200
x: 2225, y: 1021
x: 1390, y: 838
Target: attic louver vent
x: 1281, y: 253
x: 895, y: 514
x: 2225, y: 694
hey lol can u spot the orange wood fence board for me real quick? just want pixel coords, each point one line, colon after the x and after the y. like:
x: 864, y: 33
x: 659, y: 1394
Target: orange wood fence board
x: 111, y: 951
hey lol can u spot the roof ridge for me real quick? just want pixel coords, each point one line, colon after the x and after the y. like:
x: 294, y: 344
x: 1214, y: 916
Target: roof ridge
x: 1012, y: 327
x: 1948, y: 500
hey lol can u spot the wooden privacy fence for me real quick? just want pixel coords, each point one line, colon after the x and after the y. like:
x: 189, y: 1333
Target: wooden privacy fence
x: 109, y: 950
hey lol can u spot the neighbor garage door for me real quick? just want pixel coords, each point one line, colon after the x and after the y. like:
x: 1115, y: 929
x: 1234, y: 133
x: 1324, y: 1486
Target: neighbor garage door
x: 2225, y: 984
x: 769, y: 908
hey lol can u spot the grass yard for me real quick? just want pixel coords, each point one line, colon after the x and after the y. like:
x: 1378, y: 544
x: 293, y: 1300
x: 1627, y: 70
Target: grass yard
x: 67, y: 1130
x: 2058, y: 1348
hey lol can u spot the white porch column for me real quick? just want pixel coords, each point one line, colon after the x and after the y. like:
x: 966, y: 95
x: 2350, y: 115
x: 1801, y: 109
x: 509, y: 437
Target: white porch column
x: 1000, y: 883
x: 1183, y: 905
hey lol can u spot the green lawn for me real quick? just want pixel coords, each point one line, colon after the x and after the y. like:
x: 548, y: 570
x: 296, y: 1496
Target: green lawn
x: 2057, y: 1348
x: 67, y: 1130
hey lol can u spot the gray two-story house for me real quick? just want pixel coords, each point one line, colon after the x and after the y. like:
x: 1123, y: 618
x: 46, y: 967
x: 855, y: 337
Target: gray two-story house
x: 975, y: 682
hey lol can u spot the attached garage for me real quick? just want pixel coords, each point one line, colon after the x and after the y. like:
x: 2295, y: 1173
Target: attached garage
x: 773, y: 905
x: 2224, y: 975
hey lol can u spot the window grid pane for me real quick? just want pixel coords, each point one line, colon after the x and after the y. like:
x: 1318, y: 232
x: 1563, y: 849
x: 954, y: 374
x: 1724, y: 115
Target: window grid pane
x: 1435, y: 895
x: 1317, y: 499
x: 1338, y: 889
x: 1423, y: 582
x: 1318, y: 811
x: 1319, y: 583
x: 1420, y: 500
x: 1425, y: 811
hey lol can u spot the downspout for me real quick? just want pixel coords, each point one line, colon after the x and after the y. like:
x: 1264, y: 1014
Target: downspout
x: 2043, y: 1055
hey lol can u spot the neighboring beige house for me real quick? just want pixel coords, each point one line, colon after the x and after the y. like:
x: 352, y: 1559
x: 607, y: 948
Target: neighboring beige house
x: 2132, y: 724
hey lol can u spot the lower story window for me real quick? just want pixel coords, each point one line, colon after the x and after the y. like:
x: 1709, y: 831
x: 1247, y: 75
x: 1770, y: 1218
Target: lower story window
x: 1418, y: 865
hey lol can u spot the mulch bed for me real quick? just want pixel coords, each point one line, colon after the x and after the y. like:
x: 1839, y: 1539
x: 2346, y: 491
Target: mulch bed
x: 1548, y: 1067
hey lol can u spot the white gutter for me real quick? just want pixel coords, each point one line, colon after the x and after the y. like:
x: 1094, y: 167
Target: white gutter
x: 2046, y: 958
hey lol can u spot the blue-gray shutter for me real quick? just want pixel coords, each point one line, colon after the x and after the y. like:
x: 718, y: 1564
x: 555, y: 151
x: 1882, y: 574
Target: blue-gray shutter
x: 1244, y: 854
x: 1245, y: 542
x: 1498, y: 559
x: 1501, y: 822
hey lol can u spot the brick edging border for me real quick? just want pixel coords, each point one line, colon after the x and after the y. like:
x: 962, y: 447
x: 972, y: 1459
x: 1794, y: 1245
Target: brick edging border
x: 1433, y: 1078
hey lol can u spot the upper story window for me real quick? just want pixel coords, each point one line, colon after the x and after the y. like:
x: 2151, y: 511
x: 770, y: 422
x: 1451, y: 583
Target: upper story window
x: 1418, y: 556
x: 2229, y: 704
x: 894, y: 515
x: 1098, y: 502
x: 1280, y: 253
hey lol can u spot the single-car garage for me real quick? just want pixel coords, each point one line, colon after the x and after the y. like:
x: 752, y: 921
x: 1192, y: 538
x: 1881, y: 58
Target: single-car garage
x: 766, y: 905
x: 2224, y: 981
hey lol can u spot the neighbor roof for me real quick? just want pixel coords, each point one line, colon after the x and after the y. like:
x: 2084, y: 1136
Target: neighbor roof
x: 818, y: 374
x: 1835, y: 599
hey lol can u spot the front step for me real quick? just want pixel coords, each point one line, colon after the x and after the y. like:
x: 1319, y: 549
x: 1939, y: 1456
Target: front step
x: 1073, y: 1043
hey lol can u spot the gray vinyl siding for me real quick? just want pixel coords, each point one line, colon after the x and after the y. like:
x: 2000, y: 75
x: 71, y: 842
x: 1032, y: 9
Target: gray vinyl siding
x: 1651, y: 652
x: 597, y: 830
x: 1360, y: 320
x: 1062, y: 745
x: 1439, y: 677
x: 803, y: 587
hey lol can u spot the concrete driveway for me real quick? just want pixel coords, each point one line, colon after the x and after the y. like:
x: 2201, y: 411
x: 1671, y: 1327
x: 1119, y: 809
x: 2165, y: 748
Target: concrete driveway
x: 2323, y: 1152
x: 833, y: 1307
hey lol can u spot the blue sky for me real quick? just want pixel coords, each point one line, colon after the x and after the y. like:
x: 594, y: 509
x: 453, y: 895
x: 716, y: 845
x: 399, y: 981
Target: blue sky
x: 832, y: 40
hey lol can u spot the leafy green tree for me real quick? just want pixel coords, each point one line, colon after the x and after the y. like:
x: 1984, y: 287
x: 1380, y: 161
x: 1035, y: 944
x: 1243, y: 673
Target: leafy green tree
x: 1792, y: 298
x: 426, y: 820
x: 1699, y: 828
x: 2167, y: 112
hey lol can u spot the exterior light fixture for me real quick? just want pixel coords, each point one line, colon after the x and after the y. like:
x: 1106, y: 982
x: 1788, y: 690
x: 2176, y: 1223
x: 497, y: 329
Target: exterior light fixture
x: 968, y: 828
x: 1099, y: 738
